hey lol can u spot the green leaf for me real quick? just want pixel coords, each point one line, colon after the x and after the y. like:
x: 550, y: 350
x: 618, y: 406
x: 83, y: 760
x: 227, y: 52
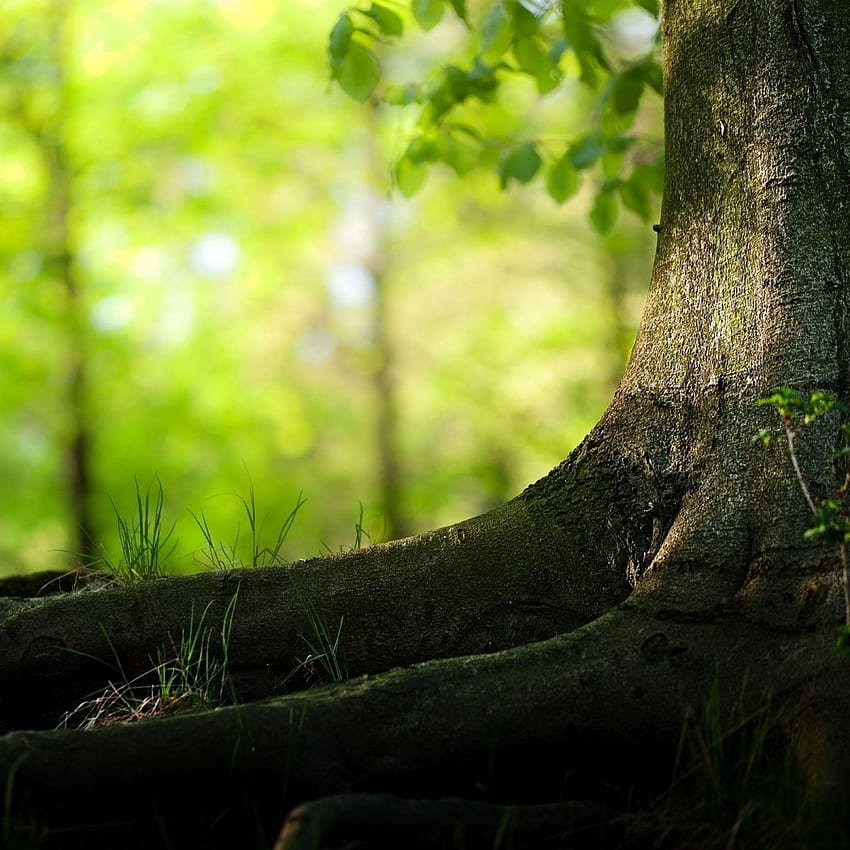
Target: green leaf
x: 612, y: 161
x: 563, y: 180
x: 358, y: 72
x: 586, y: 151
x: 635, y: 196
x: 842, y: 641
x: 603, y: 215
x: 533, y: 58
x: 340, y: 39
x: 764, y: 435
x: 651, y: 6
x: 653, y: 173
x: 604, y: 9
x: 401, y: 95
x: 558, y: 49
x: 389, y: 23
x: 481, y: 81
x: 628, y: 88
x: 525, y: 23
x: 495, y: 33
x: 652, y: 75
x: 420, y: 151
x: 458, y: 153
x: 428, y: 13
x: 821, y: 403
x: 460, y: 9
x: 475, y: 135
x: 829, y: 522
x: 582, y: 39
x: 452, y: 89
x: 787, y: 402
x: 792, y: 406
x: 409, y: 176
x: 521, y: 164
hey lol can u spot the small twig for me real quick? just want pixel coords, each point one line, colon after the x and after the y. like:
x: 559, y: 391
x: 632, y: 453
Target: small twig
x: 789, y: 433
x: 845, y: 580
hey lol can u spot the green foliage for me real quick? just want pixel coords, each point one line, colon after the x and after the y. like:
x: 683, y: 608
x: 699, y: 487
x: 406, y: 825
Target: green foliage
x: 651, y: 6
x: 550, y: 45
x: 797, y: 411
x: 389, y: 23
x: 428, y: 13
x: 586, y: 151
x: 842, y: 640
x: 830, y: 522
x: 358, y: 71
x: 603, y: 215
x: 340, y: 40
x: 520, y: 164
x: 627, y: 89
x: 409, y: 176
x: 829, y: 517
x: 562, y: 182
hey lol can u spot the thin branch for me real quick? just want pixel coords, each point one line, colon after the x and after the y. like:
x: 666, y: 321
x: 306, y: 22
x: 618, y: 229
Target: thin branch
x: 789, y: 433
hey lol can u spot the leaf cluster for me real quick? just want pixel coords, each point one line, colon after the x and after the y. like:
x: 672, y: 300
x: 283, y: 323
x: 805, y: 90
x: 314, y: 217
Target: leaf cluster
x: 797, y: 411
x: 549, y: 44
x: 830, y: 517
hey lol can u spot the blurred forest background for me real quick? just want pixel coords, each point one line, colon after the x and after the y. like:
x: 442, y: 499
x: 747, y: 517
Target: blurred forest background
x: 206, y: 277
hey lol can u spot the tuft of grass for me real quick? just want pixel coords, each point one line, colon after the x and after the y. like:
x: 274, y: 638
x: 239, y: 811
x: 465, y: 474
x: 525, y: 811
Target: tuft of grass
x: 360, y: 532
x: 145, y: 546
x: 216, y: 554
x: 325, y: 661
x: 734, y: 785
x: 360, y: 535
x: 194, y: 672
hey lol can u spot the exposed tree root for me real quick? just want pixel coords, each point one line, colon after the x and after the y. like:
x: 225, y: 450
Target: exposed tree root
x: 608, y: 697
x: 515, y: 575
x: 570, y: 629
x: 382, y: 820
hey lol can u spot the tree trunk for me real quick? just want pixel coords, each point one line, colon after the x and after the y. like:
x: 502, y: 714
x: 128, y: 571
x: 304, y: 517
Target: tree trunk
x: 574, y: 626
x: 62, y: 248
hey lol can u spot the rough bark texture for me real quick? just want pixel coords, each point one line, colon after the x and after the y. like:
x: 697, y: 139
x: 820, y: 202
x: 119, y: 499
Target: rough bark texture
x: 571, y: 628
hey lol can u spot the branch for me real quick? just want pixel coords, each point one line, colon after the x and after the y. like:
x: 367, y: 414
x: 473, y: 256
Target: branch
x: 789, y: 433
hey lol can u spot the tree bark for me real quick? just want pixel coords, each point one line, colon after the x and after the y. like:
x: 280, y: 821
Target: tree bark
x: 575, y: 625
